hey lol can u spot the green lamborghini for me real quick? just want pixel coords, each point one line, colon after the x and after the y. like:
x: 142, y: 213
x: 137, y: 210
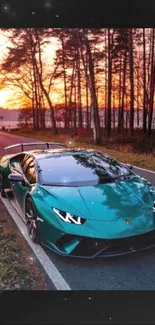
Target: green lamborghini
x: 79, y: 202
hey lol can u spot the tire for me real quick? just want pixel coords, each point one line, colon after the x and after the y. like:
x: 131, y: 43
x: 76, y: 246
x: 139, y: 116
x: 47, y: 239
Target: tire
x: 2, y: 192
x: 31, y: 220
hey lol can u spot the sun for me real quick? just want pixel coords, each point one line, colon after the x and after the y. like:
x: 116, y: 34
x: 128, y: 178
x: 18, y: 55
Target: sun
x: 8, y: 96
x: 4, y: 95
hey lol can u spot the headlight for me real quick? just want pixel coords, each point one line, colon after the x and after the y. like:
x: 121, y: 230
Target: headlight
x: 68, y: 217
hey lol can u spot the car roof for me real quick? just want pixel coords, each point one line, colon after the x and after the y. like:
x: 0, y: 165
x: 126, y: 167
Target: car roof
x: 38, y: 154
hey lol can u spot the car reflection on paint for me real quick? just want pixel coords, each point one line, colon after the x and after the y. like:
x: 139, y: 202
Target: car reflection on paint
x: 79, y: 202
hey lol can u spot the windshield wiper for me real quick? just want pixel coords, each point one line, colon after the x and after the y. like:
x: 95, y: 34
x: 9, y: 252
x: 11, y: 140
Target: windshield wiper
x: 52, y: 184
x: 122, y: 177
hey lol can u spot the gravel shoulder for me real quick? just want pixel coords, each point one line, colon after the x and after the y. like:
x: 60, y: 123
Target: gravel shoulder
x: 18, y: 265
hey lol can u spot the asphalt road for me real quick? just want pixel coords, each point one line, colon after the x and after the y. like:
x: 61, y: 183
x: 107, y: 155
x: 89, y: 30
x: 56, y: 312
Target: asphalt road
x: 131, y: 272
x: 7, y: 139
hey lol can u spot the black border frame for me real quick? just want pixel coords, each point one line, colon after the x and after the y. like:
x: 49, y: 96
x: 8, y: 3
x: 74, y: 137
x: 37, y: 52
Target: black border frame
x: 77, y: 13
x: 77, y: 307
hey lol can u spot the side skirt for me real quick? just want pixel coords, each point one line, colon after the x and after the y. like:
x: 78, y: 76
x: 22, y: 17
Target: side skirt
x: 14, y: 203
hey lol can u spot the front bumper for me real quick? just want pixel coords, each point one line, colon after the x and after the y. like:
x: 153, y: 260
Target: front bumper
x: 84, y: 247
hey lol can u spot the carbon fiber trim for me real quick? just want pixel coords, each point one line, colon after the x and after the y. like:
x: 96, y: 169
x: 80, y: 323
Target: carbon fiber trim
x: 91, y: 248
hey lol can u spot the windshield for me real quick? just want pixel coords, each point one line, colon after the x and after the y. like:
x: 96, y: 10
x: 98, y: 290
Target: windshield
x: 80, y: 169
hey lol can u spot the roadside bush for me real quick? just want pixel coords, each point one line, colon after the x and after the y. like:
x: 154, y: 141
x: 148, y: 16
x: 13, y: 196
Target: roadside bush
x: 81, y: 132
x: 84, y: 135
x: 144, y: 145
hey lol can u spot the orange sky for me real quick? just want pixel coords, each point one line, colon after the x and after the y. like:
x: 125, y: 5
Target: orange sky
x: 4, y: 94
x: 13, y: 98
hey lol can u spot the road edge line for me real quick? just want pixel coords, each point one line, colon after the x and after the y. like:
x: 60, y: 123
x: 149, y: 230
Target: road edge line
x: 49, y: 267
x: 146, y: 170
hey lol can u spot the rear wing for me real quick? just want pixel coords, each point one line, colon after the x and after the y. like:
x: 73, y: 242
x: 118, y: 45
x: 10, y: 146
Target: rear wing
x: 48, y: 145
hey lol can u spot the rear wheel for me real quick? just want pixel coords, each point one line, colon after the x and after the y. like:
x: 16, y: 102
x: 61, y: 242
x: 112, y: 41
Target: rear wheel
x: 2, y: 192
x: 31, y: 220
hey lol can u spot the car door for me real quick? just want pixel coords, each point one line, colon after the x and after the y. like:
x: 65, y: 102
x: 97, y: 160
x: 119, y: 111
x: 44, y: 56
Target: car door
x: 28, y: 169
x: 15, y: 167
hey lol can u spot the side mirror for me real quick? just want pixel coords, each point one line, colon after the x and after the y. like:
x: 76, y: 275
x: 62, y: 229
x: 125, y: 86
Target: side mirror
x: 129, y: 166
x: 16, y: 178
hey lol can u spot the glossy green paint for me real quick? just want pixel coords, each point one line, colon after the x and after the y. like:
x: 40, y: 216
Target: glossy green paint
x: 106, y: 208
x: 20, y: 192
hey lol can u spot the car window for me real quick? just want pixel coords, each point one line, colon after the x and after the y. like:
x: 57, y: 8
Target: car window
x: 81, y: 169
x: 15, y: 163
x: 28, y: 167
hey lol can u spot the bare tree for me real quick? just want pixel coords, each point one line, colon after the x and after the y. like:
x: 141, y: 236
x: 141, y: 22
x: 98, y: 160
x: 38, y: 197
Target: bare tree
x: 131, y: 65
x: 1, y: 119
x: 152, y: 85
x: 97, y: 135
x: 144, y: 83
x: 109, y: 82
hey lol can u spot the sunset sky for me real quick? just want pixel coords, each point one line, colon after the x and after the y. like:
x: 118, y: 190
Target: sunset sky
x: 4, y: 94
x: 13, y: 98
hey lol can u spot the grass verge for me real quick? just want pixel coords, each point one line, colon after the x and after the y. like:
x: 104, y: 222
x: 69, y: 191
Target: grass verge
x: 138, y: 159
x: 18, y: 269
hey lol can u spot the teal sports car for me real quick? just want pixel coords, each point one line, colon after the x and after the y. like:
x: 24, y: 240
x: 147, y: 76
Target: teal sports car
x: 79, y: 202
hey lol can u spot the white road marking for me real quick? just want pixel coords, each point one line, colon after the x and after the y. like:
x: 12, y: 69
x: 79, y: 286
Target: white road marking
x: 49, y: 267
x: 145, y: 170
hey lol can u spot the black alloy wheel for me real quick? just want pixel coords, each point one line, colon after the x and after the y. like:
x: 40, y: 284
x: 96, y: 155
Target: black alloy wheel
x: 31, y: 220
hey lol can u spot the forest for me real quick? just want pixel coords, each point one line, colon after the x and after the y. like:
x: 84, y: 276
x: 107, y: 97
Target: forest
x: 110, y: 68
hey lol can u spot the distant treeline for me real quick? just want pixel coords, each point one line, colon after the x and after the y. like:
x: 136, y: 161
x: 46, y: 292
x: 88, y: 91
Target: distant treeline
x: 97, y: 67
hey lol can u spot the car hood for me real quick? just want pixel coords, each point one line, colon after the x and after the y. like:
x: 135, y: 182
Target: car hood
x: 130, y: 199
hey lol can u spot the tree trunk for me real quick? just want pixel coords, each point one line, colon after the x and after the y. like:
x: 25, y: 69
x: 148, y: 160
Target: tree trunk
x: 152, y: 87
x: 109, y: 85
x: 36, y: 96
x: 131, y: 82
x: 71, y: 94
x: 148, y: 70
x: 43, y: 111
x: 48, y: 100
x: 79, y: 89
x: 120, y: 93
x: 138, y: 76
x: 45, y: 92
x: 33, y: 58
x: 75, y: 96
x: 126, y: 105
x: 87, y: 93
x: 144, y: 83
x: 39, y: 103
x: 33, y: 108
x: 65, y: 83
x: 105, y: 87
x: 33, y: 113
x: 114, y: 105
x: 123, y: 92
x: 97, y: 131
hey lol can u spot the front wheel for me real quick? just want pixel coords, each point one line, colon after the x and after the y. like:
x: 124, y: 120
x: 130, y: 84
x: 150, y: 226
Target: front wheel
x: 2, y: 192
x: 31, y: 220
